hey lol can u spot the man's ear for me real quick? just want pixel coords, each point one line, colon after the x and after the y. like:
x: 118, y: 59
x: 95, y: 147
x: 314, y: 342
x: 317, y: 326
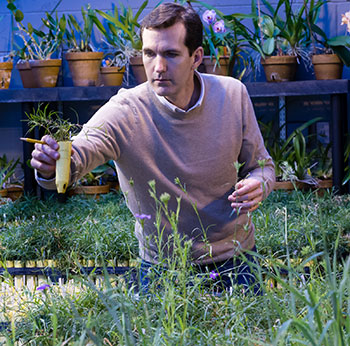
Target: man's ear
x: 198, y: 57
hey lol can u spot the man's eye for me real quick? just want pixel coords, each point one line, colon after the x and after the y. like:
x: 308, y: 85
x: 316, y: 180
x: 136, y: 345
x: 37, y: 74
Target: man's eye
x: 148, y: 54
x: 171, y: 54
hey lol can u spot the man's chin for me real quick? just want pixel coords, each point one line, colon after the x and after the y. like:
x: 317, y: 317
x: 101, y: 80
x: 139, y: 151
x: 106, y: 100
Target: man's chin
x: 161, y: 91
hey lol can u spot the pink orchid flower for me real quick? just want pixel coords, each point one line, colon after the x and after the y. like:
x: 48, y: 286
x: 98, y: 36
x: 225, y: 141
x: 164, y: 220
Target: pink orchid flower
x: 209, y: 16
x: 219, y: 27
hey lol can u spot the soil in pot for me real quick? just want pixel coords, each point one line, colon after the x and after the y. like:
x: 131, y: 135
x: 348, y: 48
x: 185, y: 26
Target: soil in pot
x: 327, y: 66
x: 45, y: 72
x: 25, y: 71
x: 5, y: 74
x: 84, y: 67
x: 280, y: 68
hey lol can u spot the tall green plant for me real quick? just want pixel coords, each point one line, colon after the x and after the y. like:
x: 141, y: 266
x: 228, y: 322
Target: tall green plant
x: 321, y: 43
x: 7, y: 170
x: 275, y: 33
x: 124, y: 25
x: 78, y: 37
x: 283, y: 151
x: 39, y: 44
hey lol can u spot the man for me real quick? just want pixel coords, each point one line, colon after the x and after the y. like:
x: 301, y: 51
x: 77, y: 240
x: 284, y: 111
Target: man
x: 179, y: 124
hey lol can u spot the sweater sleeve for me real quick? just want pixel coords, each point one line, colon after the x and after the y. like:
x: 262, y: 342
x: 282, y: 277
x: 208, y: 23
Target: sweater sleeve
x: 101, y: 139
x: 253, y: 149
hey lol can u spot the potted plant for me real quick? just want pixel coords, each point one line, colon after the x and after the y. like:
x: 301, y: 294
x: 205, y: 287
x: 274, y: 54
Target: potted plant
x: 84, y: 63
x: 279, y: 42
x: 292, y: 161
x: 328, y: 54
x: 125, y: 21
x: 115, y: 58
x: 217, y: 56
x: 10, y: 185
x: 92, y: 184
x: 225, y: 43
x: 51, y: 123
x: 25, y: 71
x: 39, y: 47
x: 6, y: 66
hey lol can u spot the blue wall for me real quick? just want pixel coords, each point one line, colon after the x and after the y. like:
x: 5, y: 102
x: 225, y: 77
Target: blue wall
x: 330, y: 16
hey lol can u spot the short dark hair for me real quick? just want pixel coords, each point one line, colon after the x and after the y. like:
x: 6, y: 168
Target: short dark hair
x: 168, y: 14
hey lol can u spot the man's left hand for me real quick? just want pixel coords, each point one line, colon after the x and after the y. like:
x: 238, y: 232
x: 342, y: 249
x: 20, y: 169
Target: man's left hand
x: 247, y: 195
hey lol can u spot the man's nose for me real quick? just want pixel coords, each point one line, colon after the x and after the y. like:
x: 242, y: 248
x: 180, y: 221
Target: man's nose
x: 160, y: 64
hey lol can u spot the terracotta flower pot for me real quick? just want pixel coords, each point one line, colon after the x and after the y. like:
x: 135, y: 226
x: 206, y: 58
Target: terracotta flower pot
x: 138, y: 69
x: 280, y: 68
x: 289, y: 186
x: 25, y: 71
x: 84, y: 67
x: 14, y: 192
x: 93, y: 191
x: 63, y: 166
x: 110, y: 76
x: 211, y: 67
x: 5, y: 74
x: 327, y: 66
x: 45, y: 72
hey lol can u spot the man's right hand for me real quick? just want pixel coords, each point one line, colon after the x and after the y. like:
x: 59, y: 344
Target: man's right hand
x: 44, y: 157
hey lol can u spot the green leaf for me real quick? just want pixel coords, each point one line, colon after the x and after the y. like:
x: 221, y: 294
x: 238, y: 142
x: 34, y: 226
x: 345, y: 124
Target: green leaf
x: 30, y: 28
x: 62, y: 23
x: 339, y: 41
x: 319, y: 31
x: 145, y: 3
x: 11, y: 7
x: 74, y: 23
x: 343, y: 53
x: 269, y: 46
x: 268, y: 26
x: 19, y: 16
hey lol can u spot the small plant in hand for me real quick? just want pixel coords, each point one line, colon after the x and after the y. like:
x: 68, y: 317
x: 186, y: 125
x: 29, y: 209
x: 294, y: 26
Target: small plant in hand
x: 52, y: 123
x: 61, y: 130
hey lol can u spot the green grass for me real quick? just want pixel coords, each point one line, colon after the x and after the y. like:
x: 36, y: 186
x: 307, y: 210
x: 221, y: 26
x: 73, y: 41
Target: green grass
x: 82, y: 228
x: 304, y: 308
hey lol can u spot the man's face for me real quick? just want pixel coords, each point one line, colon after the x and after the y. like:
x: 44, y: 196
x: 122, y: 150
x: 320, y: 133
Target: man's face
x: 169, y: 67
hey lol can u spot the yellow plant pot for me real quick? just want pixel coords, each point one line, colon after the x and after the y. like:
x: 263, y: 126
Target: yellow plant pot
x: 63, y: 166
x: 5, y: 74
x: 84, y: 67
x: 327, y: 66
x: 111, y: 76
x: 211, y: 66
x: 280, y: 68
x: 138, y: 69
x: 45, y: 72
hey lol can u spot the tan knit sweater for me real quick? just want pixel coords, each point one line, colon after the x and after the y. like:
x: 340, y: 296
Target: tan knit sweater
x: 149, y: 141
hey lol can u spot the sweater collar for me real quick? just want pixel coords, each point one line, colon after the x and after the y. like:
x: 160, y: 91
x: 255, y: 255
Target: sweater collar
x: 176, y: 109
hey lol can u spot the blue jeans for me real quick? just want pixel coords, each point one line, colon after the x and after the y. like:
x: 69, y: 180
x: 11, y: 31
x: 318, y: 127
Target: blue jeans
x: 220, y: 276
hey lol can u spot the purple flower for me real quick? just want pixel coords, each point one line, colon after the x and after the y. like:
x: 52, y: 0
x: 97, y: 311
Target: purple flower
x: 43, y: 287
x: 213, y: 275
x: 143, y: 216
x: 219, y: 26
x: 209, y: 16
